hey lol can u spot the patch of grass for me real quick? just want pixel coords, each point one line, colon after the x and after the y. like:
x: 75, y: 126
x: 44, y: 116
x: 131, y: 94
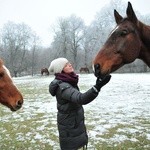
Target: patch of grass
x: 119, y: 136
x: 33, y: 129
x: 31, y: 133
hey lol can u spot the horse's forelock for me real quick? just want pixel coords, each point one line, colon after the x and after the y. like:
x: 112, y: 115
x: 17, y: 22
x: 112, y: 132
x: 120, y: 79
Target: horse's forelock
x: 114, y: 30
x: 7, y: 71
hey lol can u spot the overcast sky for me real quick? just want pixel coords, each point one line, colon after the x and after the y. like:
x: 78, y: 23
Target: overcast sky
x: 41, y: 14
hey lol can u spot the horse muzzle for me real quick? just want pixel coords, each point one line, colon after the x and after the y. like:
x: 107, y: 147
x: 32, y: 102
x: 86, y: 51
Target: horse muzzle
x: 97, y: 71
x: 17, y: 106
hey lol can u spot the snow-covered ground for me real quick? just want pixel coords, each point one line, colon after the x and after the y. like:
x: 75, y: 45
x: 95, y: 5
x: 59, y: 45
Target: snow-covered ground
x: 120, y: 113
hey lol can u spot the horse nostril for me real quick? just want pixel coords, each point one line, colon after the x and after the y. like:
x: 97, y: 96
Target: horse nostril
x: 19, y: 103
x: 97, y: 67
x: 97, y: 70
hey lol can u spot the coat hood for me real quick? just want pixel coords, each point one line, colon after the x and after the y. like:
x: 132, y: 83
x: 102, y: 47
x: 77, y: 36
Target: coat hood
x: 53, y: 87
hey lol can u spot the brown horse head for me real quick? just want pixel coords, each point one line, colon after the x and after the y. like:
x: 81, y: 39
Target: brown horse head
x: 84, y: 69
x: 9, y: 94
x: 44, y: 71
x: 123, y: 45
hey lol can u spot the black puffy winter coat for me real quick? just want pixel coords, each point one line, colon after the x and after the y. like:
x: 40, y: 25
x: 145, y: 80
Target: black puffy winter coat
x: 70, y: 117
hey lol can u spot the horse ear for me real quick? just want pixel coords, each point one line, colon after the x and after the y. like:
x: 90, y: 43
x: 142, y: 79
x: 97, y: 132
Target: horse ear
x: 117, y: 16
x: 130, y: 13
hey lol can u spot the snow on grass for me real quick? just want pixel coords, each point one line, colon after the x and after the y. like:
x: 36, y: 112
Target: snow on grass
x: 118, y: 117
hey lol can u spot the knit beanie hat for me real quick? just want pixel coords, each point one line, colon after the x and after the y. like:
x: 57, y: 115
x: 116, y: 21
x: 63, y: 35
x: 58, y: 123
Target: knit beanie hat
x: 57, y: 65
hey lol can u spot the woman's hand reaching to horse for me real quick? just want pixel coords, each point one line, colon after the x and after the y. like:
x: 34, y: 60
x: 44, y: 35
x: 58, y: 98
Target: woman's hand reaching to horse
x: 101, y: 82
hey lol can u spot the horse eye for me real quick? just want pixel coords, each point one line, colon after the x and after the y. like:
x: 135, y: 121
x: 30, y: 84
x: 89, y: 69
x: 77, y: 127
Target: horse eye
x: 124, y: 32
x: 117, y: 52
x: 1, y: 74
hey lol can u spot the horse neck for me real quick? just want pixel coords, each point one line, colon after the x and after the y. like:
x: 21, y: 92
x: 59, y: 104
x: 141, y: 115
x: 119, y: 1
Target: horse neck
x: 145, y: 37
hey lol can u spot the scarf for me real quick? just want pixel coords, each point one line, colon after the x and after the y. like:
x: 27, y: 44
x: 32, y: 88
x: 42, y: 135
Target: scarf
x: 71, y: 78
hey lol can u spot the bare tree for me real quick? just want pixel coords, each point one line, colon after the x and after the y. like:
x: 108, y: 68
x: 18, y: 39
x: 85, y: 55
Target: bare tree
x: 60, y: 43
x: 16, y: 43
x: 34, y: 49
x: 76, y: 32
x: 68, y: 35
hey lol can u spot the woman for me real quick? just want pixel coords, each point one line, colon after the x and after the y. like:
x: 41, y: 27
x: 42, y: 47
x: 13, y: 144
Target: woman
x: 70, y: 116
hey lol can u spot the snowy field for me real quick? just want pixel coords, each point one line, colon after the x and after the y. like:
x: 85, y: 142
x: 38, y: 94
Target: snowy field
x: 118, y: 119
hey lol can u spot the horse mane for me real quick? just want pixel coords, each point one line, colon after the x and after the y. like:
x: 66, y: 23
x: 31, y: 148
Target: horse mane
x: 145, y: 33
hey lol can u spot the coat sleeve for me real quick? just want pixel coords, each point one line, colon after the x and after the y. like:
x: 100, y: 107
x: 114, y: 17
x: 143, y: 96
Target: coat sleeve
x: 75, y: 96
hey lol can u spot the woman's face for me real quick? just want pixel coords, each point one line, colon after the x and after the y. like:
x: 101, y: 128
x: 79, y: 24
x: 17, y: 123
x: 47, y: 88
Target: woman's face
x: 68, y: 68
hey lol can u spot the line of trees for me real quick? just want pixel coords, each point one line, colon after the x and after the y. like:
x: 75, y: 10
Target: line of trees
x: 21, y: 49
